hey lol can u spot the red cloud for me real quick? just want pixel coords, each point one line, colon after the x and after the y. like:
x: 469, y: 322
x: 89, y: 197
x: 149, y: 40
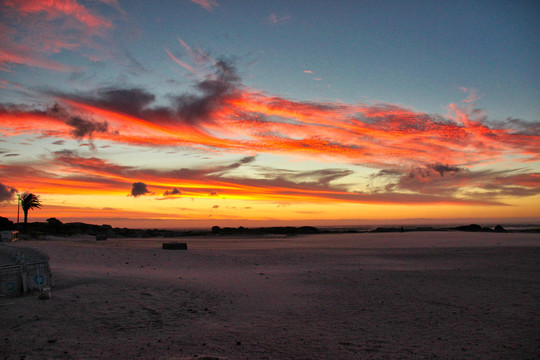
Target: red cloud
x: 230, y: 118
x: 58, y: 9
x: 25, y: 58
x: 35, y: 29
x: 422, y: 156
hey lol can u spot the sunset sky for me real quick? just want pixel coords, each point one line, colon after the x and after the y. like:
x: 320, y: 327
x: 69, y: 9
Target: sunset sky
x: 187, y: 113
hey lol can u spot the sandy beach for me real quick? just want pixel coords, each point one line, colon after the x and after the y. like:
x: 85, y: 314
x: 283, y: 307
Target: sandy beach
x: 419, y: 295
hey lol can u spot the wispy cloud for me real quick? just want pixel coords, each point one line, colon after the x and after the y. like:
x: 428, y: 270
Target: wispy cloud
x: 207, y: 4
x: 418, y: 158
x: 183, y: 64
x: 68, y: 172
x: 225, y: 115
x: 276, y: 19
x: 12, y: 53
x: 59, y: 9
x: 32, y: 31
x: 481, y: 185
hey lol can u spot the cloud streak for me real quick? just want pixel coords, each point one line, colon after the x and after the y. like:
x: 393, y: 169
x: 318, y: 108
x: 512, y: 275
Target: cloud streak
x: 206, y: 4
x: 32, y: 31
x: 59, y: 9
x: 67, y: 172
x: 417, y: 158
x: 225, y: 115
x: 276, y: 19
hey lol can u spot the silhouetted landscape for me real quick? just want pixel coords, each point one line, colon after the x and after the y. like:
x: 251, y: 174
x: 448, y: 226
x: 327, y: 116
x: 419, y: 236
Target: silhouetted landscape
x: 54, y: 226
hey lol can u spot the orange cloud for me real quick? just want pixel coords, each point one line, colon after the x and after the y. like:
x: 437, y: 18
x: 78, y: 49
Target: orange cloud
x: 233, y: 119
x: 422, y: 158
x: 69, y: 173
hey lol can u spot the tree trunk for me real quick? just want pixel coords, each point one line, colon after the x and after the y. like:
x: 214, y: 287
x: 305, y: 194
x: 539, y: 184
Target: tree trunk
x: 25, y: 220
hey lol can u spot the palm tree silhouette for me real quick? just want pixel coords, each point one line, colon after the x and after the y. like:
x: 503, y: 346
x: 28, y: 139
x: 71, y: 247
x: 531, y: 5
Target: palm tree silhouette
x: 29, y: 201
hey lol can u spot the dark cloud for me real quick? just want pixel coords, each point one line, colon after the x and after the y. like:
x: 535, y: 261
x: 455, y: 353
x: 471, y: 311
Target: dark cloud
x: 129, y: 101
x: 86, y: 128
x: 441, y: 169
x: 222, y: 170
x: 11, y: 155
x: 315, y: 178
x: 7, y: 193
x: 81, y: 127
x: 243, y: 161
x: 322, y: 177
x: 174, y: 191
x: 191, y: 108
x: 66, y: 152
x: 518, y: 126
x: 386, y: 172
x: 248, y: 159
x: 19, y: 109
x: 139, y: 189
x: 58, y: 111
x: 215, y: 89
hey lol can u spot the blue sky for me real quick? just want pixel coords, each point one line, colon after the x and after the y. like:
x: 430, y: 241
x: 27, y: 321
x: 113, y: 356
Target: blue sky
x: 416, y: 53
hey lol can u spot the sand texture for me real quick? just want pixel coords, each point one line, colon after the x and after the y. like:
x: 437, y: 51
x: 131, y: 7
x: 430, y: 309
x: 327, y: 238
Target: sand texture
x: 425, y: 295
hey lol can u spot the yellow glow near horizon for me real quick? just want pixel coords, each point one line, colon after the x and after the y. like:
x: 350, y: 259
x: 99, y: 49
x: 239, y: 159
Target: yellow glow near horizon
x: 84, y: 208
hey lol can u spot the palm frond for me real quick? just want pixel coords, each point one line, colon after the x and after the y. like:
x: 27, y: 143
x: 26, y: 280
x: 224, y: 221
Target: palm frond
x: 30, y: 201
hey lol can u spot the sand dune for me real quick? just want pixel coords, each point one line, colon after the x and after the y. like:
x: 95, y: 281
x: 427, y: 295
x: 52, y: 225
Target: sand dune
x: 422, y: 295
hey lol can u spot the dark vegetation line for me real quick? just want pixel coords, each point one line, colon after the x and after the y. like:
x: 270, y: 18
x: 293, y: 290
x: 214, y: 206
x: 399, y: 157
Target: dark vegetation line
x: 54, y: 226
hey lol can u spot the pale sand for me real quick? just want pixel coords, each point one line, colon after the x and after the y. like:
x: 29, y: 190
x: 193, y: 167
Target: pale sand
x: 423, y: 295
